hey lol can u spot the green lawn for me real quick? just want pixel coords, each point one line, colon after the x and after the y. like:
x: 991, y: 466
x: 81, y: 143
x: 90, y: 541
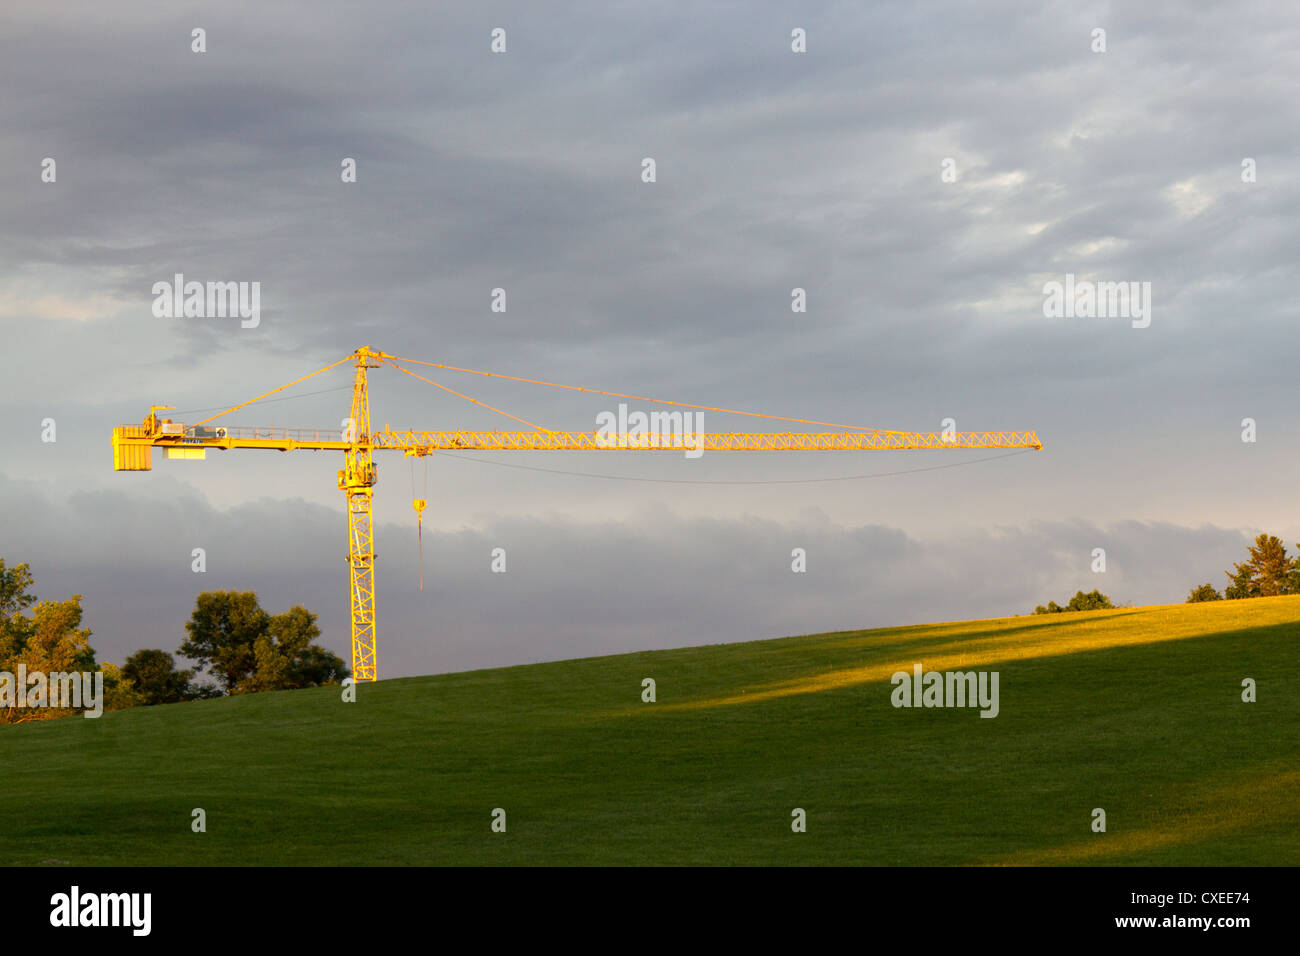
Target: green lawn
x: 1136, y: 711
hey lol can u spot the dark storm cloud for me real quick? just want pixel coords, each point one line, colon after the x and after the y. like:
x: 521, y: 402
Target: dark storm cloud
x: 655, y: 580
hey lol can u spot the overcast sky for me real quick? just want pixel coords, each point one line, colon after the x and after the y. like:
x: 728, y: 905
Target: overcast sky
x: 522, y: 170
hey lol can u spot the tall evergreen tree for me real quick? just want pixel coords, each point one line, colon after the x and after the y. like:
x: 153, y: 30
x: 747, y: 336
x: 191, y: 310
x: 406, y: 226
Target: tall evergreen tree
x: 1267, y: 571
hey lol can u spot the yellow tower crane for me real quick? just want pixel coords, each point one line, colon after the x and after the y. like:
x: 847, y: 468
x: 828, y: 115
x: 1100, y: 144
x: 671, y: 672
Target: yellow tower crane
x: 133, y: 451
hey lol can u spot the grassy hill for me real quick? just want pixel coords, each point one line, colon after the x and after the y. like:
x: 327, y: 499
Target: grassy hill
x: 1137, y: 711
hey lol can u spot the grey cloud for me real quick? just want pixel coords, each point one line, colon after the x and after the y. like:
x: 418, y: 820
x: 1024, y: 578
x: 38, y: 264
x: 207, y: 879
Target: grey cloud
x: 655, y: 580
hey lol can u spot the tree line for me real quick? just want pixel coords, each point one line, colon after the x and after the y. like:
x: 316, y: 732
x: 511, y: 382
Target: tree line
x: 1268, y: 571
x: 237, y: 647
x: 1094, y: 600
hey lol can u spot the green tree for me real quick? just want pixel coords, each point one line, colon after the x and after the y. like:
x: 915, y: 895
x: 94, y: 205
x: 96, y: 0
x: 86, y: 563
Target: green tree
x: 247, y: 650
x: 270, y: 668
x: 317, y: 666
x: 310, y: 665
x: 1092, y: 601
x: 1241, y: 586
x: 50, y: 639
x: 155, y: 680
x: 15, y: 598
x: 1205, y: 592
x: 1266, y: 572
x: 222, y: 631
x: 119, y: 693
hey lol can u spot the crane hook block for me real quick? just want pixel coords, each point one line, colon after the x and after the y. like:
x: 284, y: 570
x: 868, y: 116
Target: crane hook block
x: 419, y: 504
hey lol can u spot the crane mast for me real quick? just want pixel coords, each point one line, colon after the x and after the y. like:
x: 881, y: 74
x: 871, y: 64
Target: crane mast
x: 357, y: 481
x: 133, y: 446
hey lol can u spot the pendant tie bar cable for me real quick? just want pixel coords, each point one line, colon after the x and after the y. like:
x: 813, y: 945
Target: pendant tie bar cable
x: 274, y: 390
x: 639, y: 398
x: 388, y: 361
